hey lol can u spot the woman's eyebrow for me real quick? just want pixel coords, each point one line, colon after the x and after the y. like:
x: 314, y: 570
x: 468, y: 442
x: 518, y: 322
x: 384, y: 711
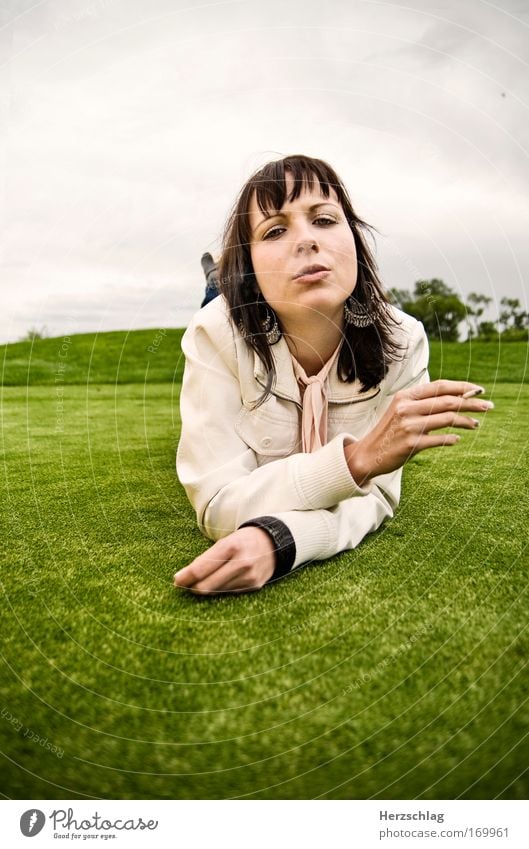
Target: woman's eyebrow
x: 278, y: 214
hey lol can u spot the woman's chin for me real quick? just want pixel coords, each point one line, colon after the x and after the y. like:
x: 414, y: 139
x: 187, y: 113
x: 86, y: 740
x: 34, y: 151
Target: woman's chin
x: 314, y: 306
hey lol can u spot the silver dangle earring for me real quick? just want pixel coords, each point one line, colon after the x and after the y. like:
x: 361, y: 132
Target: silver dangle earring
x: 356, y: 313
x: 271, y: 327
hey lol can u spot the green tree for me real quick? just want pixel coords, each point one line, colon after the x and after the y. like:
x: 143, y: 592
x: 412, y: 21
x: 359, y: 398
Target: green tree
x: 512, y: 317
x: 438, y: 307
x: 488, y: 331
x: 476, y: 306
x: 514, y: 320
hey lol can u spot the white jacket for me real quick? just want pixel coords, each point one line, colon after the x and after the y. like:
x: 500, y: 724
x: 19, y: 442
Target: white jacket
x: 237, y: 462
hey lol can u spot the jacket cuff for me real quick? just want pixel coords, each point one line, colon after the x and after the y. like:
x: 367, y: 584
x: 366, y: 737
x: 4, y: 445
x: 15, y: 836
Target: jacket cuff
x: 323, y: 478
x: 314, y: 533
x: 285, y: 547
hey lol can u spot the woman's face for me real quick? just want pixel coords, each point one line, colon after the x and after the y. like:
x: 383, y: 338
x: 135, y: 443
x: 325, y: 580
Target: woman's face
x: 309, y: 231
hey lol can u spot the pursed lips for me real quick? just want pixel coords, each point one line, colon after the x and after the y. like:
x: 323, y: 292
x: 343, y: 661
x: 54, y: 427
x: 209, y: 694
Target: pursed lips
x: 311, y: 271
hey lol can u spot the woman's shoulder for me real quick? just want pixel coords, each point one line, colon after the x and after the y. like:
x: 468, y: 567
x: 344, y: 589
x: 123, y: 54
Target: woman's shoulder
x: 212, y: 322
x: 407, y: 332
x: 214, y: 316
x: 211, y: 336
x: 411, y: 362
x: 405, y: 324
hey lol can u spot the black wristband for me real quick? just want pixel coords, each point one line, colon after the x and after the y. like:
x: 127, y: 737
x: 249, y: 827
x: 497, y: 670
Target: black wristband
x: 285, y: 547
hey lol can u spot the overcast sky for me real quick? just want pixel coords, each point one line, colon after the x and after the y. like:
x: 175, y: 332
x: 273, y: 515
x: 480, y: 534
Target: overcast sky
x: 129, y: 126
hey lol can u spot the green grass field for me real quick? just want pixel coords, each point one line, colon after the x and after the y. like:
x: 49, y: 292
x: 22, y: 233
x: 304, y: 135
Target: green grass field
x: 398, y: 670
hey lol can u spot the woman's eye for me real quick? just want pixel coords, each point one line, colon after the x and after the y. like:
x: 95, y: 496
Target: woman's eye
x: 321, y: 220
x: 274, y: 231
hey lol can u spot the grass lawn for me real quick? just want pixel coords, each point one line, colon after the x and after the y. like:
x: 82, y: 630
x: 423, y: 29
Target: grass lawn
x: 398, y: 670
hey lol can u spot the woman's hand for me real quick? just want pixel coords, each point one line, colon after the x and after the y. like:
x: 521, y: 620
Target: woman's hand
x: 241, y: 562
x: 405, y: 428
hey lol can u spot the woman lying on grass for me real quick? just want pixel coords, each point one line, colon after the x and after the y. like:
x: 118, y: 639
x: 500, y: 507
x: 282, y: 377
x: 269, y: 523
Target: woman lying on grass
x: 304, y: 390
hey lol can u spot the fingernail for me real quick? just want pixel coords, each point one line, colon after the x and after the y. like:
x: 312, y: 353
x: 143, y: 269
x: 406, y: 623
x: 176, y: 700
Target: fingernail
x: 487, y: 405
x: 476, y: 422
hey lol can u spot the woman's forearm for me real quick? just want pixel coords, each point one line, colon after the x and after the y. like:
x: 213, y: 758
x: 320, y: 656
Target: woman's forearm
x: 299, y: 482
x: 358, y: 462
x: 319, y: 534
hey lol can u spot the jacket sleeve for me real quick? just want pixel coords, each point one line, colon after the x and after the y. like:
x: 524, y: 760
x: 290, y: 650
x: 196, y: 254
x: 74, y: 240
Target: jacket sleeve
x: 320, y: 534
x: 226, y: 485
x: 219, y: 471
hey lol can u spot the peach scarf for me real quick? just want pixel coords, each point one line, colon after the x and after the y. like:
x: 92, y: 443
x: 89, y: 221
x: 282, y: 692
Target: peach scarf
x: 315, y: 405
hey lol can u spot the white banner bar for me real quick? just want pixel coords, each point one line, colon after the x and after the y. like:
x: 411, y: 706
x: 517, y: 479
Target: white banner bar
x: 266, y: 824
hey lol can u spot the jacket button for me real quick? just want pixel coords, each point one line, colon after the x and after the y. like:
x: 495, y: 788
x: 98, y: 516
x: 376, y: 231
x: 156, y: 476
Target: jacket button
x: 266, y: 441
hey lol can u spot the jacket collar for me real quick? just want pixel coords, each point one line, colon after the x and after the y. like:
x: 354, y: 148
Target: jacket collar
x: 286, y: 384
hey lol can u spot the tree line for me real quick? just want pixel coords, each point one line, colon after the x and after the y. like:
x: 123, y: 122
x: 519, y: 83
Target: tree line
x: 442, y: 312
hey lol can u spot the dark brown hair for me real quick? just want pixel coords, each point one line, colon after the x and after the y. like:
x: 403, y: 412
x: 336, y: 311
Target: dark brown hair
x: 367, y: 351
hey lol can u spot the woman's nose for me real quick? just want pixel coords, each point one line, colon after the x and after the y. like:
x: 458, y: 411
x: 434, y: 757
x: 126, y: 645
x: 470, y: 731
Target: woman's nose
x: 305, y: 242
x: 306, y: 246
x: 303, y: 237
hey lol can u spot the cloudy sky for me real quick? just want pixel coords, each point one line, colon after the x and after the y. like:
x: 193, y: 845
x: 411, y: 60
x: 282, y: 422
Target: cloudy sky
x: 128, y: 127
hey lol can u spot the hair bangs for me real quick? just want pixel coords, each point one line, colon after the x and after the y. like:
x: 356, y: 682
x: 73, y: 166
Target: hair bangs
x: 270, y: 184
